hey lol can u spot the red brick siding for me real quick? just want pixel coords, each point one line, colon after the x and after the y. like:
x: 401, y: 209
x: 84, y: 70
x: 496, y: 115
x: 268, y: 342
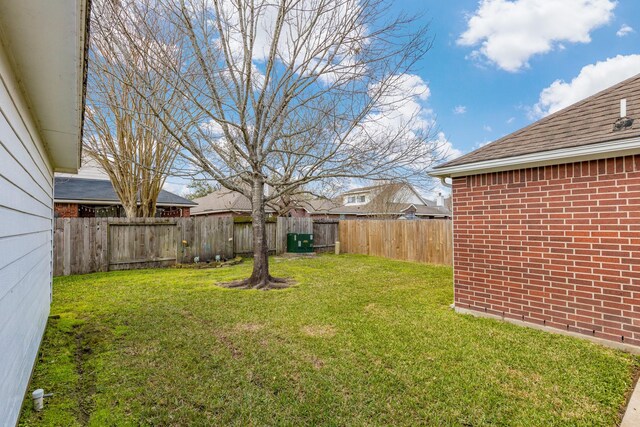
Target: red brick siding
x: 557, y: 245
x: 66, y: 210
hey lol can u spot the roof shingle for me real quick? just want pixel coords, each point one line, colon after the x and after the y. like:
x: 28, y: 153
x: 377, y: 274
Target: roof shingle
x: 100, y: 190
x: 589, y: 121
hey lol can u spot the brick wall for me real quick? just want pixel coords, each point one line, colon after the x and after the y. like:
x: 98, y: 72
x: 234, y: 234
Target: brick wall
x: 557, y: 245
x: 66, y: 210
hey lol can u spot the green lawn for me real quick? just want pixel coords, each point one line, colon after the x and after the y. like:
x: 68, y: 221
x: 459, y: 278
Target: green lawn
x: 358, y: 341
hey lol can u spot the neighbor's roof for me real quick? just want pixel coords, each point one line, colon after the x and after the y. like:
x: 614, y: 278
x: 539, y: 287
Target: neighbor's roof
x: 392, y: 187
x: 590, y: 121
x: 93, y: 191
x: 330, y: 207
x: 223, y: 201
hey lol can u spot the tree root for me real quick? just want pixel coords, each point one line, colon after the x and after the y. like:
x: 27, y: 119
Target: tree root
x: 272, y: 283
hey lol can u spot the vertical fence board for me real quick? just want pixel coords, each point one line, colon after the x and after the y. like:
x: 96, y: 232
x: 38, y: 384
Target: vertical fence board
x: 420, y: 241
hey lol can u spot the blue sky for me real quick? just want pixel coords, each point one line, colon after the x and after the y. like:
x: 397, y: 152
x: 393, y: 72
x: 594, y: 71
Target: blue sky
x: 499, y: 101
x: 498, y: 65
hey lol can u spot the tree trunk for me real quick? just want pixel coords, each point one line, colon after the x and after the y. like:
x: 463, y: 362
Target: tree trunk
x: 260, y: 275
x: 130, y: 211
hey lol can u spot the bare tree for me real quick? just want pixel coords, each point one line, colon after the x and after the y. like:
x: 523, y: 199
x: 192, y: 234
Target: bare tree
x: 127, y: 90
x: 200, y: 188
x: 296, y: 95
x: 388, y: 199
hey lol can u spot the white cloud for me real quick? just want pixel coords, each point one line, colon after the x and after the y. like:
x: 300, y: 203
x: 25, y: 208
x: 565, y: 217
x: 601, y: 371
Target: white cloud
x: 591, y: 79
x: 459, y: 109
x: 509, y: 33
x: 511, y: 120
x: 487, y: 128
x: 175, y: 188
x: 446, y: 148
x: 624, y: 31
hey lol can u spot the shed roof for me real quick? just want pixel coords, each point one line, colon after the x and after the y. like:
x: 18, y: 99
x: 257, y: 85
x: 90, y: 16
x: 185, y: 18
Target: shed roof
x: 100, y: 190
x: 590, y: 121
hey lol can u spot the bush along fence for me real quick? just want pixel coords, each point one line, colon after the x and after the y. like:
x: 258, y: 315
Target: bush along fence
x: 87, y: 245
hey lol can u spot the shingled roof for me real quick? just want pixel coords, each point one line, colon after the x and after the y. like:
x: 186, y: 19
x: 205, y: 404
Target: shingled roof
x: 590, y: 121
x: 93, y: 191
x: 222, y: 201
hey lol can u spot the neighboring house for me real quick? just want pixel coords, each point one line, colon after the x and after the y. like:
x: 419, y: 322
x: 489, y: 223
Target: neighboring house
x: 388, y: 200
x: 547, y: 220
x: 42, y: 72
x: 397, y: 201
x: 224, y: 203
x: 86, y: 198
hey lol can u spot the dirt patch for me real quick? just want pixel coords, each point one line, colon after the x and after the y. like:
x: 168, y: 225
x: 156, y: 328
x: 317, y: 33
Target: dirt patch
x: 221, y: 336
x: 316, y: 362
x: 84, y: 338
x: 320, y: 331
x: 375, y: 309
x: 249, y: 327
x: 228, y: 343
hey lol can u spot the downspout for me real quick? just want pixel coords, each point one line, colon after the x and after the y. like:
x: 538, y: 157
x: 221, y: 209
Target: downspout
x: 443, y: 180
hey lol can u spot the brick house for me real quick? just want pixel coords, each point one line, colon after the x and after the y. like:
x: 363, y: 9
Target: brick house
x: 547, y: 220
x: 88, y: 197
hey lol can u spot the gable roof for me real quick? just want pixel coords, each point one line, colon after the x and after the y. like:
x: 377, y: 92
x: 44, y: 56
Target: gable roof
x: 392, y: 187
x: 223, y: 201
x: 94, y: 191
x: 590, y: 121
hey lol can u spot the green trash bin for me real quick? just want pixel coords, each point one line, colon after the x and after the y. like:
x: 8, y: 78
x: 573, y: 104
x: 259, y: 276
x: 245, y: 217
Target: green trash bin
x: 305, y: 242
x: 292, y: 243
x: 298, y: 243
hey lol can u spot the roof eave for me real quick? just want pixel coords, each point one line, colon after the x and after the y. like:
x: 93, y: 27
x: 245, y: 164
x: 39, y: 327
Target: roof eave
x: 601, y: 150
x: 50, y: 60
x: 116, y: 202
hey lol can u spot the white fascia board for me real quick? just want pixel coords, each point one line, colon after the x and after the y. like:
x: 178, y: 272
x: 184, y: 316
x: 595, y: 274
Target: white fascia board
x: 602, y: 150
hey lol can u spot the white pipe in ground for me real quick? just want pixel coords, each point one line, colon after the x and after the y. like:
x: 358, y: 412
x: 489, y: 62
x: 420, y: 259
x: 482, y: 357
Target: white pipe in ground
x: 38, y: 400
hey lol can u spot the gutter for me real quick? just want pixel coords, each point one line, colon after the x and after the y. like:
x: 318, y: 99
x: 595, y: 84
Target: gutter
x: 595, y: 151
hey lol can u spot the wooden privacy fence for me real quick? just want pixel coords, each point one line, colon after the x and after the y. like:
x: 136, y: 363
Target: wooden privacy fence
x: 87, y: 245
x: 420, y: 240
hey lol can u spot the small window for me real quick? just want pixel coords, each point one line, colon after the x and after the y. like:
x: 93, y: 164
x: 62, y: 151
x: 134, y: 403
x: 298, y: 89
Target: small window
x: 351, y: 199
x: 361, y: 199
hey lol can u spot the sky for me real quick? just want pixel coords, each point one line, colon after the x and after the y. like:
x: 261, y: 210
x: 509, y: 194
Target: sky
x: 499, y: 65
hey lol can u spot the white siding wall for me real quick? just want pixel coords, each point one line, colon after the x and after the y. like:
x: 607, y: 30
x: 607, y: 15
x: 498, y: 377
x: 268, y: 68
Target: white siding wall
x: 26, y: 189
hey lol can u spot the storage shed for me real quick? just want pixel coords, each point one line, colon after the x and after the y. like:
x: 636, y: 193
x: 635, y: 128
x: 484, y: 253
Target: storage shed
x: 547, y: 220
x: 42, y: 64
